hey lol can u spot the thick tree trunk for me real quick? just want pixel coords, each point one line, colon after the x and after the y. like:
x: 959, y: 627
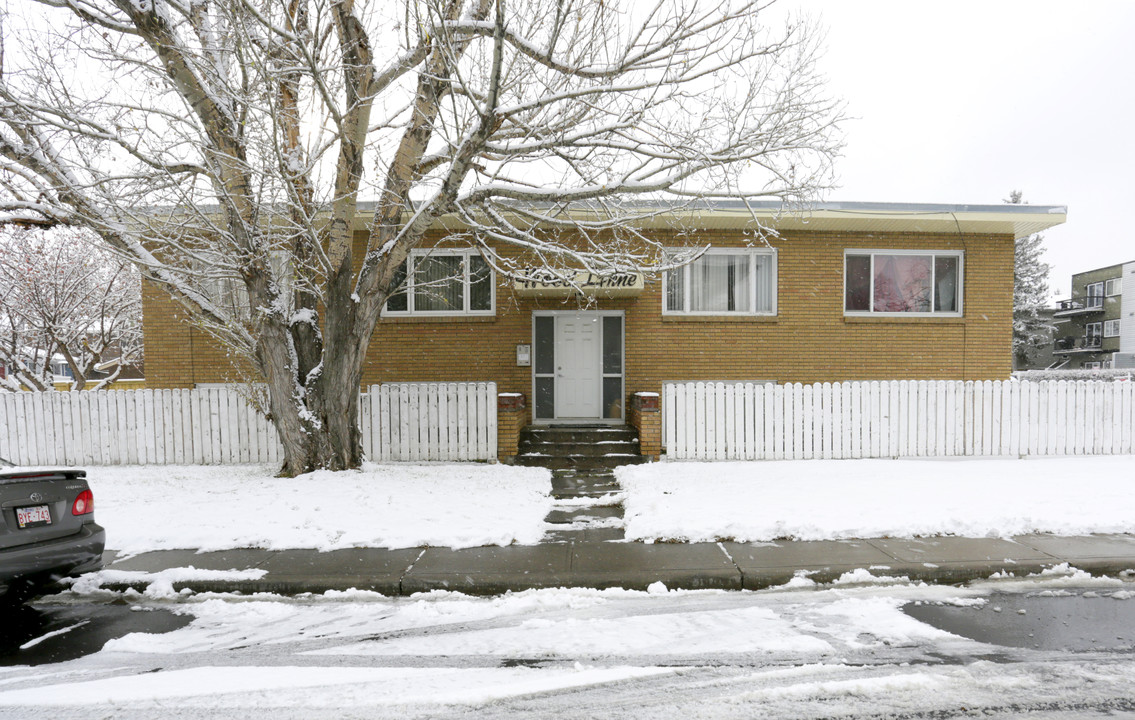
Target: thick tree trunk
x: 315, y: 406
x: 332, y: 443
x: 319, y: 429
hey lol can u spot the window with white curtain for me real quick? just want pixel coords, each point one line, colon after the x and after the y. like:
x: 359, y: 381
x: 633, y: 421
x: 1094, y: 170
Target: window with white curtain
x: 231, y: 294
x: 444, y: 282
x: 723, y: 282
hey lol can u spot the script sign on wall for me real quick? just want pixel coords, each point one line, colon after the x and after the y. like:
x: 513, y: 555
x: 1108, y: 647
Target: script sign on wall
x: 542, y: 283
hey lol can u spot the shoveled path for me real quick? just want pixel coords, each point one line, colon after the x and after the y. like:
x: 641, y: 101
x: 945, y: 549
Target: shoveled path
x: 588, y: 507
x: 597, y: 564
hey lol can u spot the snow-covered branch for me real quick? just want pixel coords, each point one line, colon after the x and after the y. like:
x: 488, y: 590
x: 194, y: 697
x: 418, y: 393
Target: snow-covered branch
x: 67, y: 308
x: 272, y: 165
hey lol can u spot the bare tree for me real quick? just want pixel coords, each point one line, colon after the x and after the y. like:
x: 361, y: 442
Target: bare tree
x: 65, y: 301
x: 247, y: 142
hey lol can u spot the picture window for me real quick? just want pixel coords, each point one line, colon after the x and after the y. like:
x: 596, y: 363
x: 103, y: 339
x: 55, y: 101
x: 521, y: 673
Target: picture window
x: 723, y: 282
x: 444, y: 282
x: 903, y: 282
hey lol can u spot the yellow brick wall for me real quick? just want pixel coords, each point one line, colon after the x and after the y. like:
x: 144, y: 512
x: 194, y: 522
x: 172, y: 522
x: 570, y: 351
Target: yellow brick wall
x: 182, y: 354
x: 809, y: 340
x: 649, y: 425
x: 510, y: 421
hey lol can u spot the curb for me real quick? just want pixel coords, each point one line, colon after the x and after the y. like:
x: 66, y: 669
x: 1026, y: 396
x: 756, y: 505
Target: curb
x: 598, y: 566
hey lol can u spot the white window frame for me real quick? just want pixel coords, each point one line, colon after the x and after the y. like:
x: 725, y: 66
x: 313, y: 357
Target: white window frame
x: 1110, y: 328
x: 60, y: 369
x: 408, y: 286
x: 1112, y: 287
x: 1091, y: 291
x: 1093, y: 329
x: 859, y: 252
x: 231, y: 294
x: 1093, y: 365
x: 752, y: 253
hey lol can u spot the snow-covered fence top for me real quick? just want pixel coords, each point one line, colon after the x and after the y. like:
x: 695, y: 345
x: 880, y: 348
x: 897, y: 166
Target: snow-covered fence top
x: 735, y: 421
x: 454, y: 421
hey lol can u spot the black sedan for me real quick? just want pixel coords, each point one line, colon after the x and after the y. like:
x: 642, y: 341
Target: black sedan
x: 47, y: 529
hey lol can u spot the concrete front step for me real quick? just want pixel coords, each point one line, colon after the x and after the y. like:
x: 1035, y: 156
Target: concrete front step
x: 589, y: 523
x: 580, y: 462
x: 576, y: 433
x: 572, y: 484
x: 587, y: 514
x: 589, y: 448
x: 586, y: 535
x: 594, y: 449
x: 609, y: 494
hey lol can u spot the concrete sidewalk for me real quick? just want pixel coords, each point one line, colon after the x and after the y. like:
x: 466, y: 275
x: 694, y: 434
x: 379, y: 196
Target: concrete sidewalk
x: 726, y: 565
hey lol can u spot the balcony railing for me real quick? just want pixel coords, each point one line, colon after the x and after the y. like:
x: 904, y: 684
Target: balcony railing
x: 1088, y: 343
x: 1079, y: 305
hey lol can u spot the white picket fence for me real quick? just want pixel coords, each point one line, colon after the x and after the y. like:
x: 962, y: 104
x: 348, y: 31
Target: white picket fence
x: 430, y: 421
x: 434, y: 421
x: 749, y: 421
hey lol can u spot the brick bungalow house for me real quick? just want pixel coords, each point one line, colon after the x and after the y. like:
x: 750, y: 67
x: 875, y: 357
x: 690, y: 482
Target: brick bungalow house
x: 848, y: 291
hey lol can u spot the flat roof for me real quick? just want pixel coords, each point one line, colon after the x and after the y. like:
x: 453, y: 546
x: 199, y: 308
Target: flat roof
x: 1004, y: 219
x: 1118, y: 266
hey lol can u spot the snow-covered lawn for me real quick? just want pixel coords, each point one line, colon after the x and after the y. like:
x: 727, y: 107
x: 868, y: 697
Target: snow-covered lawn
x: 396, y: 505
x: 465, y: 505
x: 834, y: 499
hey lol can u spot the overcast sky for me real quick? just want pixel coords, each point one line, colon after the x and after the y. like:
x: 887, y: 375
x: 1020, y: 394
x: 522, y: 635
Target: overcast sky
x: 963, y: 101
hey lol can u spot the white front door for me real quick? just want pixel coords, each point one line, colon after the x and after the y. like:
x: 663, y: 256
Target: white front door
x: 579, y: 390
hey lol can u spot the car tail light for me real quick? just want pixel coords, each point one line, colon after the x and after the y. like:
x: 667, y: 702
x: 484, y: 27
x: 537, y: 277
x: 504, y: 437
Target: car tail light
x: 84, y: 504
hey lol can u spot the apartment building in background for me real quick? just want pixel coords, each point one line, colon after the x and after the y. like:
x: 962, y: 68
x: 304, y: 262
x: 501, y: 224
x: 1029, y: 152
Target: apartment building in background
x: 1095, y: 327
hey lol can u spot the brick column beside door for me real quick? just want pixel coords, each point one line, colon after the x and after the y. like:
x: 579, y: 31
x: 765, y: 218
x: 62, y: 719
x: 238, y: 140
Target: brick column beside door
x: 646, y: 417
x: 512, y: 416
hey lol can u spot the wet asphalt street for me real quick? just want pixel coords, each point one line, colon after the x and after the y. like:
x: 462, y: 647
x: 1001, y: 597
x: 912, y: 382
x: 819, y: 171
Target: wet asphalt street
x: 44, y: 633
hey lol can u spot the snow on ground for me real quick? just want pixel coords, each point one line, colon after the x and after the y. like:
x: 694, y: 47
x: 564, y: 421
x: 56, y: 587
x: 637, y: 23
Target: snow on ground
x: 838, y: 499
x: 800, y: 622
x: 620, y: 635
x: 317, y: 687
x: 466, y: 505
x: 395, y: 505
x: 791, y: 652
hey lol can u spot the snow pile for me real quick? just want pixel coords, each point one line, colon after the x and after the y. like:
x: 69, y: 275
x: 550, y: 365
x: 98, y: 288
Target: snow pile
x: 160, y: 584
x: 396, y: 505
x: 840, y: 499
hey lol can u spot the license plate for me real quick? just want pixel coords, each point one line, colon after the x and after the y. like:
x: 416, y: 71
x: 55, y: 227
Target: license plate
x: 32, y: 516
